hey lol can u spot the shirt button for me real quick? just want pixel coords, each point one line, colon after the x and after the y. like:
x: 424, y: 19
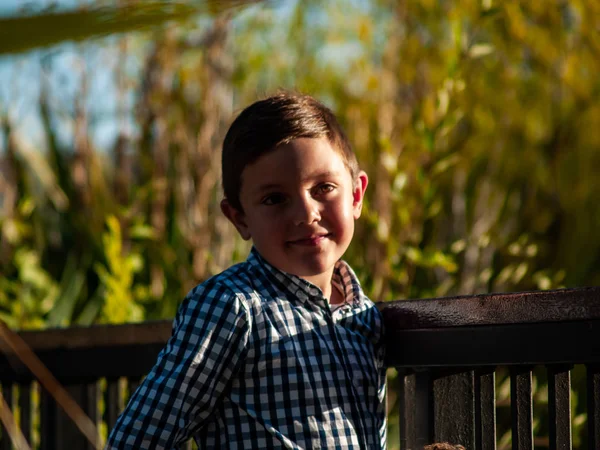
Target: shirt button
x: 314, y: 292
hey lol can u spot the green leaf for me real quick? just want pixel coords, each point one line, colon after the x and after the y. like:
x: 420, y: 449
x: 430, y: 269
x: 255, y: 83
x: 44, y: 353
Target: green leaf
x: 20, y: 34
x: 72, y: 284
x: 141, y: 231
x: 91, y: 310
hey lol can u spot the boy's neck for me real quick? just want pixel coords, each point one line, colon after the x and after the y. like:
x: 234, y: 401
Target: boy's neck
x: 336, y: 297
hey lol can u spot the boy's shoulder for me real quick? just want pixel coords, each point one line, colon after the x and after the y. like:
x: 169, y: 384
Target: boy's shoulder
x: 238, y: 278
x: 225, y: 296
x: 235, y: 282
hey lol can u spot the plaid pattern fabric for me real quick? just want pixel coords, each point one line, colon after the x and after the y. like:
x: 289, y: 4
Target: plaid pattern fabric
x: 257, y: 359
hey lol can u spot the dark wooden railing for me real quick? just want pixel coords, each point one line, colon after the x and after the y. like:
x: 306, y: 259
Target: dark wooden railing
x: 448, y: 350
x: 448, y: 353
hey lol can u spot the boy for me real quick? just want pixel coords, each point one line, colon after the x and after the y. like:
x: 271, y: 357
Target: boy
x: 283, y: 350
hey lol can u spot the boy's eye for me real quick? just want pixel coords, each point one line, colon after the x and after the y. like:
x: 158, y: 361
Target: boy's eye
x: 273, y: 199
x: 324, y: 188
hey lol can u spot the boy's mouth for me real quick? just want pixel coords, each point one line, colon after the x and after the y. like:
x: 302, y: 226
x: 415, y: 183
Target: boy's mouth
x: 310, y: 241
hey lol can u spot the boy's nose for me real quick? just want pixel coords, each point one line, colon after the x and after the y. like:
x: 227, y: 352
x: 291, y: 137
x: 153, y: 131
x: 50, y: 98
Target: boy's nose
x: 306, y: 211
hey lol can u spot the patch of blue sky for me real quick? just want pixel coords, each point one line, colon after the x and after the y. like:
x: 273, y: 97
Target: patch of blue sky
x: 111, y: 111
x: 19, y: 92
x: 20, y: 7
x: 60, y: 69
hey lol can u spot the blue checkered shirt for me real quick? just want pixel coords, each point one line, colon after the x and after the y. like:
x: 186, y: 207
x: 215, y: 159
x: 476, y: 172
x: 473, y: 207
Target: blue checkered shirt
x: 258, y: 359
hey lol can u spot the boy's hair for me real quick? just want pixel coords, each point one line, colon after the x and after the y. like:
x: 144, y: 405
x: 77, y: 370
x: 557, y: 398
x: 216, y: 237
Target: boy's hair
x: 443, y: 446
x: 266, y: 124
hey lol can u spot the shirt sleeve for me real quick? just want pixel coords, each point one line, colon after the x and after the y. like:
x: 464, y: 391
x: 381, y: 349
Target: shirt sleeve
x: 382, y: 368
x: 382, y: 394
x: 207, y: 346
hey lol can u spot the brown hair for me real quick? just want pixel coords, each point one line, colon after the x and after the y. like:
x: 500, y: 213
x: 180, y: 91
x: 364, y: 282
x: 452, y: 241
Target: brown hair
x: 443, y: 446
x: 266, y: 124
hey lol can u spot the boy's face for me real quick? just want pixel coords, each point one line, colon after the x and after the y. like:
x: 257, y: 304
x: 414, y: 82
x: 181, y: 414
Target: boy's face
x: 299, y: 203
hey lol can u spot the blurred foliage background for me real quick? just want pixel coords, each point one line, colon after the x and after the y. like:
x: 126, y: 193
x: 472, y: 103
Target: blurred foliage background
x: 477, y: 121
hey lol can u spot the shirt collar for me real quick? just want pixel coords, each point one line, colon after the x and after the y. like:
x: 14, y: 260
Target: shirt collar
x: 303, y: 290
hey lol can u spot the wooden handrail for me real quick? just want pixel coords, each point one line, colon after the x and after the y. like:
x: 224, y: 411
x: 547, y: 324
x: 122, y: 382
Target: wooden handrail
x: 457, y: 331
x: 446, y: 351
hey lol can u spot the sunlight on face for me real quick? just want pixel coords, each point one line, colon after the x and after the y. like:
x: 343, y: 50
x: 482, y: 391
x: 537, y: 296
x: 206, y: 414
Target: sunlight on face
x: 300, y: 203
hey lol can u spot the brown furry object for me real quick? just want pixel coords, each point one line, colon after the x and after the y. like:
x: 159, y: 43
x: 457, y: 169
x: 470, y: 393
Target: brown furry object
x: 443, y: 446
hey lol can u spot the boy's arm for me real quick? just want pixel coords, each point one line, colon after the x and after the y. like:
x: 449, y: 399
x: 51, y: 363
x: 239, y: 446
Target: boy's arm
x: 207, y: 346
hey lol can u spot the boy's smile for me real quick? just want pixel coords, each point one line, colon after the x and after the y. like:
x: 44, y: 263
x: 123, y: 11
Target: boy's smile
x: 299, y: 205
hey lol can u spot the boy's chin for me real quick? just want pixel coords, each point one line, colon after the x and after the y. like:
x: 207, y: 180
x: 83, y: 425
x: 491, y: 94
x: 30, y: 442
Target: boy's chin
x: 308, y: 270
x: 309, y: 265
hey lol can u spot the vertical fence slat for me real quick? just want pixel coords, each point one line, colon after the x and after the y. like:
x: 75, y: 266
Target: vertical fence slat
x: 559, y: 407
x: 91, y: 407
x: 521, y: 408
x: 86, y: 395
x: 485, y: 409
x: 132, y: 385
x: 66, y: 428
x: 26, y: 410
x: 593, y: 404
x: 50, y: 437
x: 111, y: 403
x: 5, y: 442
x: 454, y: 408
x: 402, y: 408
x: 57, y: 429
x: 416, y: 428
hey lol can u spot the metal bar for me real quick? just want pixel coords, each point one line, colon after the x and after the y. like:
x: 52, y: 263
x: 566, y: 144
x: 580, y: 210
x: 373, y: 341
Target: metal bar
x: 485, y: 409
x: 521, y: 408
x: 559, y: 407
x: 593, y: 405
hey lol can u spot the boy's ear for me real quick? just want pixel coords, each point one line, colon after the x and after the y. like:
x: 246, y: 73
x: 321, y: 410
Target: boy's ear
x: 358, y: 193
x: 237, y: 218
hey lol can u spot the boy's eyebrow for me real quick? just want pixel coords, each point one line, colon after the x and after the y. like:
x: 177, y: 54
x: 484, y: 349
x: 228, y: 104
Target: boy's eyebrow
x: 267, y: 187
x: 274, y: 186
x: 326, y: 174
